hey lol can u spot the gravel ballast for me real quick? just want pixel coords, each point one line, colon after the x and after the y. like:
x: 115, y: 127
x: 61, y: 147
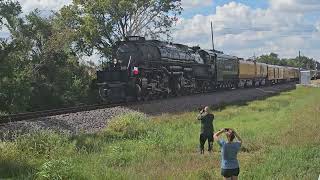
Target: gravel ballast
x: 95, y: 120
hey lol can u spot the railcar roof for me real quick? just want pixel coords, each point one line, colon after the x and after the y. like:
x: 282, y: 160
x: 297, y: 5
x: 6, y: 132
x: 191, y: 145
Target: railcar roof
x: 226, y: 56
x: 219, y: 54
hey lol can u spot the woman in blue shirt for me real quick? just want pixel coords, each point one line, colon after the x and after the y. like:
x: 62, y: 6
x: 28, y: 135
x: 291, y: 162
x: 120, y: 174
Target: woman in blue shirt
x: 229, y: 150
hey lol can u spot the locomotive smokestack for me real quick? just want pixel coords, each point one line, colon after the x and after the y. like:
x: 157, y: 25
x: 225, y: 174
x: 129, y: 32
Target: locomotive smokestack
x: 212, y: 37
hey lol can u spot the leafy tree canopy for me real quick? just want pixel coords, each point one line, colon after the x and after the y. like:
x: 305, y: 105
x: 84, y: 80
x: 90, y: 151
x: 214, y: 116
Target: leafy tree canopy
x: 38, y: 69
x: 299, y: 62
x: 8, y: 12
x: 101, y: 23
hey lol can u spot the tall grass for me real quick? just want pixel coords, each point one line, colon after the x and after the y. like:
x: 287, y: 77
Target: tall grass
x: 281, y: 141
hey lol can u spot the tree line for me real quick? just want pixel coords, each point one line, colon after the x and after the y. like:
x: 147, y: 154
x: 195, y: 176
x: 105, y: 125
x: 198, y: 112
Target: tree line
x: 41, y: 60
x: 303, y: 62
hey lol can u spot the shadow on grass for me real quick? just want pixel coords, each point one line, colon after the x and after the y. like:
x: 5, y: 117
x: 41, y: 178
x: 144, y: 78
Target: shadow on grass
x: 15, y: 170
x: 218, y: 100
x: 89, y: 142
x: 223, y: 106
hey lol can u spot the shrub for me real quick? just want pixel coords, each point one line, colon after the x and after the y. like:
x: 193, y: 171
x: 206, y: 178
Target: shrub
x: 89, y: 142
x: 118, y: 156
x: 131, y: 125
x: 44, y: 144
x: 55, y: 169
x: 12, y: 164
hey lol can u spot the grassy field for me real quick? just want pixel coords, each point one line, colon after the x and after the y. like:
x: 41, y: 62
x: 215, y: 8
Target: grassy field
x: 281, y: 141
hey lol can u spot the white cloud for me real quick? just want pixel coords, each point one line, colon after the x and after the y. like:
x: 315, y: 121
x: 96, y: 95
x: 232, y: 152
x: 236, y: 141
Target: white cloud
x: 295, y: 5
x: 187, y: 4
x: 238, y: 29
x: 318, y: 26
x: 43, y: 5
x: 244, y: 31
x: 48, y: 5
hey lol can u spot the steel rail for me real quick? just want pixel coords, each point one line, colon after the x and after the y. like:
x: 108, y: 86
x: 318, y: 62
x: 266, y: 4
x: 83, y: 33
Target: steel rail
x: 53, y: 112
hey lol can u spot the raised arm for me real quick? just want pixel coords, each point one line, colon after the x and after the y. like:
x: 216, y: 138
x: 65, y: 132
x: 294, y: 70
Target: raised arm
x: 237, y: 136
x: 217, y: 134
x: 201, y: 115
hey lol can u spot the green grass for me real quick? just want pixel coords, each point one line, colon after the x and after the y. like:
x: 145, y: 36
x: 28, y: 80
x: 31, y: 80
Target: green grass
x: 281, y: 141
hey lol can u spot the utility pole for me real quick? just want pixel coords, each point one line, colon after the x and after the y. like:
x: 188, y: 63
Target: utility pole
x: 299, y: 59
x: 212, y: 37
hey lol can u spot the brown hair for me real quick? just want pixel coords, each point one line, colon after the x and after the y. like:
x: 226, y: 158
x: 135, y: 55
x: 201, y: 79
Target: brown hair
x: 232, y: 136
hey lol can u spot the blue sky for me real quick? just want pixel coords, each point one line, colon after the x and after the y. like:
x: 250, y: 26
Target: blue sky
x: 241, y: 27
x: 188, y: 13
x: 253, y: 27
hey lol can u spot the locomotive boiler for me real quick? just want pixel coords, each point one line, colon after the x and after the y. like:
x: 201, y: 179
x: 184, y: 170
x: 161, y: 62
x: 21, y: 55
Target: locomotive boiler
x: 146, y: 69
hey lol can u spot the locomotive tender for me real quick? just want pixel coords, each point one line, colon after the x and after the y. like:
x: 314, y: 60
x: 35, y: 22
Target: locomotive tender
x: 147, y: 69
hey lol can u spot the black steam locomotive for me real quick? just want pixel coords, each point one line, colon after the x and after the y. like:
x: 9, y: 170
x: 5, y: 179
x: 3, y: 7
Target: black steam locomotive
x: 147, y: 69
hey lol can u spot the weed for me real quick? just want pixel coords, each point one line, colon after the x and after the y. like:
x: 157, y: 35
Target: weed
x: 43, y: 145
x: 56, y: 170
x: 130, y: 125
x: 280, y: 141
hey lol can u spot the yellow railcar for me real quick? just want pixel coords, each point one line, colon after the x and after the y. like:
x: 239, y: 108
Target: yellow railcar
x: 271, y: 72
x: 292, y: 73
x: 296, y: 73
x: 276, y: 73
x: 281, y: 73
x: 261, y: 70
x: 286, y: 73
x: 247, y: 70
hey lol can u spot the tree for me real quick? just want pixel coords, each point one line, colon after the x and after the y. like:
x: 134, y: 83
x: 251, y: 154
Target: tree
x: 272, y: 58
x: 58, y: 79
x: 9, y: 11
x: 299, y: 62
x: 103, y: 22
x: 302, y: 62
x: 14, y: 82
x: 39, y: 69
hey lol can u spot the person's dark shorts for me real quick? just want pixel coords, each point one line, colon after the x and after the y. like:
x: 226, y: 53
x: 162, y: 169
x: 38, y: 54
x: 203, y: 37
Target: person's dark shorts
x: 230, y: 172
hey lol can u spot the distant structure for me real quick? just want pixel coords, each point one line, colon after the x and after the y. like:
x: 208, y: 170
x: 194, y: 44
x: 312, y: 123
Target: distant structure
x: 305, y: 77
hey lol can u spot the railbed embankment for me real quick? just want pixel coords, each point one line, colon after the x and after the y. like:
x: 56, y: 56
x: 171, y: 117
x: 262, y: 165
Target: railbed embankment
x: 95, y: 120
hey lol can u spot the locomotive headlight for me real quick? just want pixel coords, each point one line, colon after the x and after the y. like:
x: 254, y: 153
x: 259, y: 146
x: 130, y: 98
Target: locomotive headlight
x: 115, y: 61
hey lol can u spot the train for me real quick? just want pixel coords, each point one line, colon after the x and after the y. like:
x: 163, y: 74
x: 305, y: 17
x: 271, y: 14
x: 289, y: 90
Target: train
x: 151, y: 69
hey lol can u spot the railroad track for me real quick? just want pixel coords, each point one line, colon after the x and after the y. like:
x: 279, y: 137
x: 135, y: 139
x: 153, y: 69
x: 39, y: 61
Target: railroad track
x: 54, y: 112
